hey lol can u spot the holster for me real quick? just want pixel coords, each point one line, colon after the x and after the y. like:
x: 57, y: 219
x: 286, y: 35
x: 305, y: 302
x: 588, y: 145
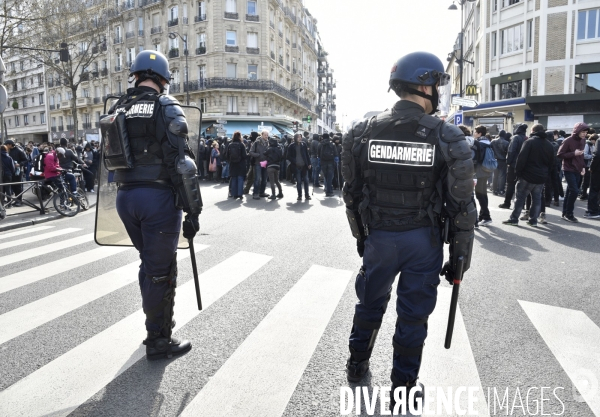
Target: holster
x: 461, y: 244
x: 356, y: 226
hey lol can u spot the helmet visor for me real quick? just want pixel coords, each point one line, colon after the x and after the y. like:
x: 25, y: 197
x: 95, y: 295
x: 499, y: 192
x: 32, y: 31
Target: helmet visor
x: 436, y: 76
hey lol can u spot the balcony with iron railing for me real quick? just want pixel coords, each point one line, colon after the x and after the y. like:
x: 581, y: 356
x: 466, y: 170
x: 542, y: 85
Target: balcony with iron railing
x: 99, y: 48
x: 118, y: 68
x: 128, y: 5
x: 97, y: 100
x: 201, y: 50
x: 233, y: 16
x: 84, y: 101
x: 129, y: 35
x: 155, y: 30
x: 86, y: 125
x: 272, y: 55
x: 280, y: 60
x: 52, y: 106
x: 252, y: 18
x: 281, y: 34
x: 272, y: 25
x: 173, y: 22
x: 144, y: 3
x: 85, y: 76
x: 60, y: 128
x: 118, y: 41
x: 50, y: 83
x: 53, y: 129
x: 235, y: 49
x: 200, y: 18
x: 253, y: 51
x: 70, y: 127
x: 294, y: 45
x: 287, y: 67
x: 287, y: 41
x: 141, y: 32
x: 173, y: 53
x: 104, y: 72
x: 174, y: 88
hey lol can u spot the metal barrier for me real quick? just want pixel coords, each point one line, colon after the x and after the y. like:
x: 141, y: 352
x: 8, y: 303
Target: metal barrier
x: 41, y: 207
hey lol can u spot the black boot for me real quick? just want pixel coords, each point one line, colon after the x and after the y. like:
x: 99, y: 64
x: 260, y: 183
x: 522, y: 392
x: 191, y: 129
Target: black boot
x: 357, y: 364
x: 159, y: 346
x: 409, y: 387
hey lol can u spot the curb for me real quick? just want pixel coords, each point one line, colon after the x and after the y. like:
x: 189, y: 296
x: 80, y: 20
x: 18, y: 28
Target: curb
x: 34, y: 221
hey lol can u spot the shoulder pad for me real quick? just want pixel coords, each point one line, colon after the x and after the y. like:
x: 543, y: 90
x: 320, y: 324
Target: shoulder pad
x: 430, y: 121
x: 359, y: 128
x: 450, y: 133
x: 167, y: 100
x: 172, y: 111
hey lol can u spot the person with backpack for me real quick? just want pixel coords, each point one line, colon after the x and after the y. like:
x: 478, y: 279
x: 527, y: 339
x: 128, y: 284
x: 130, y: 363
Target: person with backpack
x: 327, y: 154
x: 485, y: 163
x: 500, y: 148
x: 274, y: 156
x: 236, y: 157
x: 532, y: 168
x: 516, y: 142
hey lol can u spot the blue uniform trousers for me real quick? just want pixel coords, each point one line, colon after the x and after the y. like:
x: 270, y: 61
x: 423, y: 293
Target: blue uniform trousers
x: 412, y: 255
x: 153, y: 224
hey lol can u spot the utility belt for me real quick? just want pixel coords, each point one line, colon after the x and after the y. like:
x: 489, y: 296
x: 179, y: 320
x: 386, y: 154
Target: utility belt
x: 159, y: 184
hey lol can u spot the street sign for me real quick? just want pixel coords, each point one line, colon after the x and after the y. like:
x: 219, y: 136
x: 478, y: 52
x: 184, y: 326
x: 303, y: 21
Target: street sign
x: 222, y: 122
x: 218, y: 125
x: 458, y: 119
x: 460, y: 101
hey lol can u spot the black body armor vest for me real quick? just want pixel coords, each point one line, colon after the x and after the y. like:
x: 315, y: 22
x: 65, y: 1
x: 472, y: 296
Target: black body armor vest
x: 145, y: 129
x: 400, y: 165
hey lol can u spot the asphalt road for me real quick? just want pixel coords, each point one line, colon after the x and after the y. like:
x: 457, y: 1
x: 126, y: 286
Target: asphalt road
x: 267, y: 344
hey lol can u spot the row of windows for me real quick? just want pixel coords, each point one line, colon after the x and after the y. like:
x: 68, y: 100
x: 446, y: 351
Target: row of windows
x: 26, y: 102
x: 26, y: 121
x: 503, y: 3
x: 513, y: 39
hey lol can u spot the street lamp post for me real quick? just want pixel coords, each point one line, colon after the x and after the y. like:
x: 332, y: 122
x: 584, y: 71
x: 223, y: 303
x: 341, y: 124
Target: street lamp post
x: 173, y: 35
x: 462, y: 35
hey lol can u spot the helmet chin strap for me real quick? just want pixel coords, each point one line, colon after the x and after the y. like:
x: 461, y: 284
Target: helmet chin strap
x: 434, y: 99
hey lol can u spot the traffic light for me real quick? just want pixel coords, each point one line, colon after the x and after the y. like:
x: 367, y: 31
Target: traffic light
x: 295, y: 126
x: 64, y: 52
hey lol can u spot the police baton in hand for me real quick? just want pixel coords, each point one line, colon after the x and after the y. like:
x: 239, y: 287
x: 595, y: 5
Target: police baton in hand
x: 458, y: 276
x: 195, y: 271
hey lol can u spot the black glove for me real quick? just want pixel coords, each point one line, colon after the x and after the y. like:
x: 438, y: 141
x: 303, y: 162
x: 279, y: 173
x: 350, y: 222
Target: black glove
x: 190, y: 226
x: 360, y: 247
x: 448, y: 273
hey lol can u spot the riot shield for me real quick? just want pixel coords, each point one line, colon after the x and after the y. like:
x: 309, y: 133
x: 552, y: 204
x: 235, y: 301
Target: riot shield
x: 109, y: 230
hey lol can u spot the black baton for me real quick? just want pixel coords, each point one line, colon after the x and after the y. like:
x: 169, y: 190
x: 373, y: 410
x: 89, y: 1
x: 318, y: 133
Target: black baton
x: 195, y: 271
x: 454, y: 303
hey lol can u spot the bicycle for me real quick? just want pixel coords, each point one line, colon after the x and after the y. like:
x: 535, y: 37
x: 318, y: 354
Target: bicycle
x: 65, y: 202
x: 83, y: 200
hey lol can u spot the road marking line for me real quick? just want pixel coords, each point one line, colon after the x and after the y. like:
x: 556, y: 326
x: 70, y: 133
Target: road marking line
x: 33, y: 239
x: 574, y: 339
x: 454, y: 367
x: 24, y: 231
x: 25, y: 318
x: 29, y: 276
x: 43, y: 250
x: 262, y: 374
x: 64, y: 384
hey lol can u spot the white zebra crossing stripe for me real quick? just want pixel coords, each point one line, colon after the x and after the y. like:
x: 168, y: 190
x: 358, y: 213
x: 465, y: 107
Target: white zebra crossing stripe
x: 43, y: 236
x: 23, y: 319
x: 574, y: 339
x: 43, y: 250
x: 454, y: 367
x: 24, y: 231
x: 29, y: 276
x: 67, y: 382
x: 261, y: 376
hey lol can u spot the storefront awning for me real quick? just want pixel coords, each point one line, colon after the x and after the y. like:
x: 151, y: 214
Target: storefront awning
x: 283, y: 129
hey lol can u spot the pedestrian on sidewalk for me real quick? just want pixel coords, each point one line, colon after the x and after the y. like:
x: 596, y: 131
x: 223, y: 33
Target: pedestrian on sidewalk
x: 480, y: 146
x: 257, y: 151
x: 327, y: 154
x: 299, y: 159
x: 516, y: 142
x: 8, y: 171
x: 236, y: 156
x: 532, y: 169
x: 500, y: 148
x: 274, y: 156
x: 588, y: 154
x: 593, y: 210
x: 573, y: 164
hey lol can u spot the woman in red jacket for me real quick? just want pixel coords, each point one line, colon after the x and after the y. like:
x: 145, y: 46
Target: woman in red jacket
x: 52, y: 169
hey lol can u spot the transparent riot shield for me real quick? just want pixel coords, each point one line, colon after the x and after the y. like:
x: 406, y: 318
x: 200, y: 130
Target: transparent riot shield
x: 110, y: 231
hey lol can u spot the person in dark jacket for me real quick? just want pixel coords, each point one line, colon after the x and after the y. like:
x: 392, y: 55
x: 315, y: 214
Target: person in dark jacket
x: 531, y: 169
x: 554, y: 187
x: 20, y: 159
x: 8, y: 170
x: 328, y: 155
x: 257, y: 151
x: 297, y: 155
x: 571, y: 153
x: 274, y: 156
x: 237, y: 168
x: 500, y: 148
x: 588, y: 154
x: 66, y: 160
x: 516, y: 142
x: 314, y: 160
x: 593, y: 211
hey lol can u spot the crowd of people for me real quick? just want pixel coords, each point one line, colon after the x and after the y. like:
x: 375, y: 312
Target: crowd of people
x: 247, y: 162
x: 19, y: 160
x: 531, y: 168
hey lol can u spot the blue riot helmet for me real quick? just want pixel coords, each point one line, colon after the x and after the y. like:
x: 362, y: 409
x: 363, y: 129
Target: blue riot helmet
x: 419, y: 68
x: 151, y: 65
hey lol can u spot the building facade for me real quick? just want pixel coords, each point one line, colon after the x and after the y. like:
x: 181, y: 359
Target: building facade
x: 251, y: 63
x: 25, y: 117
x: 533, y: 61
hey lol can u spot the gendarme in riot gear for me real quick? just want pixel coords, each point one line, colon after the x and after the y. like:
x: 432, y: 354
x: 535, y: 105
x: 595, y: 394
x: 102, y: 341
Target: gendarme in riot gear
x: 407, y: 175
x: 145, y: 146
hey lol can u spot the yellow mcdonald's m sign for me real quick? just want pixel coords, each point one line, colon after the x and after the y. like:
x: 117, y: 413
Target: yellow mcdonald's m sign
x: 471, y: 90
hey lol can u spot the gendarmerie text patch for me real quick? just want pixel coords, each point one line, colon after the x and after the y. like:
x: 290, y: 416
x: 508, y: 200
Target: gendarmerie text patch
x: 401, y: 153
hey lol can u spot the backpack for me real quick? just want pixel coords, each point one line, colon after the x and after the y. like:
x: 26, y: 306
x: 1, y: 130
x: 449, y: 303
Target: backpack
x: 235, y: 153
x: 38, y: 163
x: 328, y: 152
x: 489, y: 162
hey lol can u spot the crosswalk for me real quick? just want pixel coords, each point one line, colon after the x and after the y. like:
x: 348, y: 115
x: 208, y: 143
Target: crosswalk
x: 262, y: 374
